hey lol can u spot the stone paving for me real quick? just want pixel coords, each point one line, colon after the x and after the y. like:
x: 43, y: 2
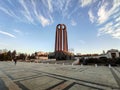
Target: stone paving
x: 39, y: 76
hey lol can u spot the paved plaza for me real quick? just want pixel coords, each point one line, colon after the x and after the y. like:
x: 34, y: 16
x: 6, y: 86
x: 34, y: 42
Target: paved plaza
x: 39, y: 76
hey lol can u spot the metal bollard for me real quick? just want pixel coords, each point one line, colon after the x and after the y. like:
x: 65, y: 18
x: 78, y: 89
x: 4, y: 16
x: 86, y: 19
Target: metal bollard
x: 72, y: 64
x: 109, y: 66
x: 95, y: 65
x: 81, y: 65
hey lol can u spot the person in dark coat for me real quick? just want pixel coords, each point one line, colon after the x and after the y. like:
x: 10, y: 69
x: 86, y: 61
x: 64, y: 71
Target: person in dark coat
x: 15, y: 60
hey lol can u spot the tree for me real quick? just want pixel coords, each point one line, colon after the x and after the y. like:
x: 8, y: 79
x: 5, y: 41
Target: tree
x: 14, y: 54
x: 5, y: 56
x: 32, y: 56
x: 9, y: 55
x: 1, y: 57
x: 22, y: 56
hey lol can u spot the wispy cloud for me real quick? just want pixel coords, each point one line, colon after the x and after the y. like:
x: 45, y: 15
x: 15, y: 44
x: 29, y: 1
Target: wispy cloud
x: 39, y: 11
x: 9, y: 12
x: 116, y: 34
x: 26, y: 11
x: 44, y: 12
x: 117, y: 19
x: 111, y: 27
x: 50, y: 6
x: 105, y: 12
x: 106, y: 17
x: 73, y: 23
x: 10, y: 2
x: 68, y: 2
x: 102, y: 14
x: 91, y: 16
x: 18, y: 31
x: 66, y: 8
x: 7, y: 34
x: 106, y: 29
x: 84, y: 3
x: 43, y: 20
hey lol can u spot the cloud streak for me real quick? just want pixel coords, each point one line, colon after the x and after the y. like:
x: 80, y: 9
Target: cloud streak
x: 18, y: 31
x: 26, y: 12
x: 73, y: 23
x: 7, y: 34
x: 102, y: 14
x: 9, y: 12
x: 50, y: 6
x: 39, y: 11
x: 29, y: 11
x: 42, y: 19
x: 106, y: 17
x: 91, y: 16
x: 112, y: 27
x: 46, y: 12
x: 84, y: 3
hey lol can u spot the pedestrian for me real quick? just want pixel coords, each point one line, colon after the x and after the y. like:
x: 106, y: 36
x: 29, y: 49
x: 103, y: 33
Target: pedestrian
x: 15, y: 60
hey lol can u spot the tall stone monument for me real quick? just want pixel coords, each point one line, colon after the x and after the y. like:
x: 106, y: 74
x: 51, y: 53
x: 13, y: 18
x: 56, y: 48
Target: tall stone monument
x: 61, y: 43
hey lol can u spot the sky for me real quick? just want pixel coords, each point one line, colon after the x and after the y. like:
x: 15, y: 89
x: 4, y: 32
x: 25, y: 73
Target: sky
x: 29, y: 25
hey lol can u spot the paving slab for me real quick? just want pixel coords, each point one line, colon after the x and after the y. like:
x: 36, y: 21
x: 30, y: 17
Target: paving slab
x: 41, y: 76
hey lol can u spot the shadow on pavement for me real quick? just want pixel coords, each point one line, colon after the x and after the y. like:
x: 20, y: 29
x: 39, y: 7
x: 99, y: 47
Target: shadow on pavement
x: 2, y: 85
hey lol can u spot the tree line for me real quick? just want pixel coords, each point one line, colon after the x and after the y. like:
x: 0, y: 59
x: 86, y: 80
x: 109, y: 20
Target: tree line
x: 10, y: 55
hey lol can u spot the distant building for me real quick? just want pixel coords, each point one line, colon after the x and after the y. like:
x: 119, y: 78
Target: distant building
x: 41, y: 55
x: 87, y: 56
x: 78, y: 54
x: 113, y: 53
x: 0, y: 51
x: 4, y: 50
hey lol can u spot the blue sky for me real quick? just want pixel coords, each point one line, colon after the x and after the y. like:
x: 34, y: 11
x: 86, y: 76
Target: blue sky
x: 29, y: 25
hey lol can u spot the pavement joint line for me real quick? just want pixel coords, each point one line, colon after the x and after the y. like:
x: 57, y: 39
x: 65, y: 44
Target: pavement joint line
x: 92, y: 86
x: 21, y: 86
x: 68, y: 87
x: 27, y: 76
x: 8, y: 82
x: 115, y: 77
x: 83, y: 70
x: 62, y: 86
x: 23, y: 79
x: 12, y: 69
x: 2, y: 83
x: 82, y: 81
x: 50, y: 88
x: 55, y: 77
x: 79, y: 70
x: 8, y: 75
x: 117, y: 69
x: 12, y: 78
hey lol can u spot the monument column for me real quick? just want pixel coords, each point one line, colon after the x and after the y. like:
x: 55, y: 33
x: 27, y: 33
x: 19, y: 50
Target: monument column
x: 61, y: 44
x: 61, y: 38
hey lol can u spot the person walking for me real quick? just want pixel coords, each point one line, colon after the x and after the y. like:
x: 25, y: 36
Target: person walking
x: 15, y: 60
